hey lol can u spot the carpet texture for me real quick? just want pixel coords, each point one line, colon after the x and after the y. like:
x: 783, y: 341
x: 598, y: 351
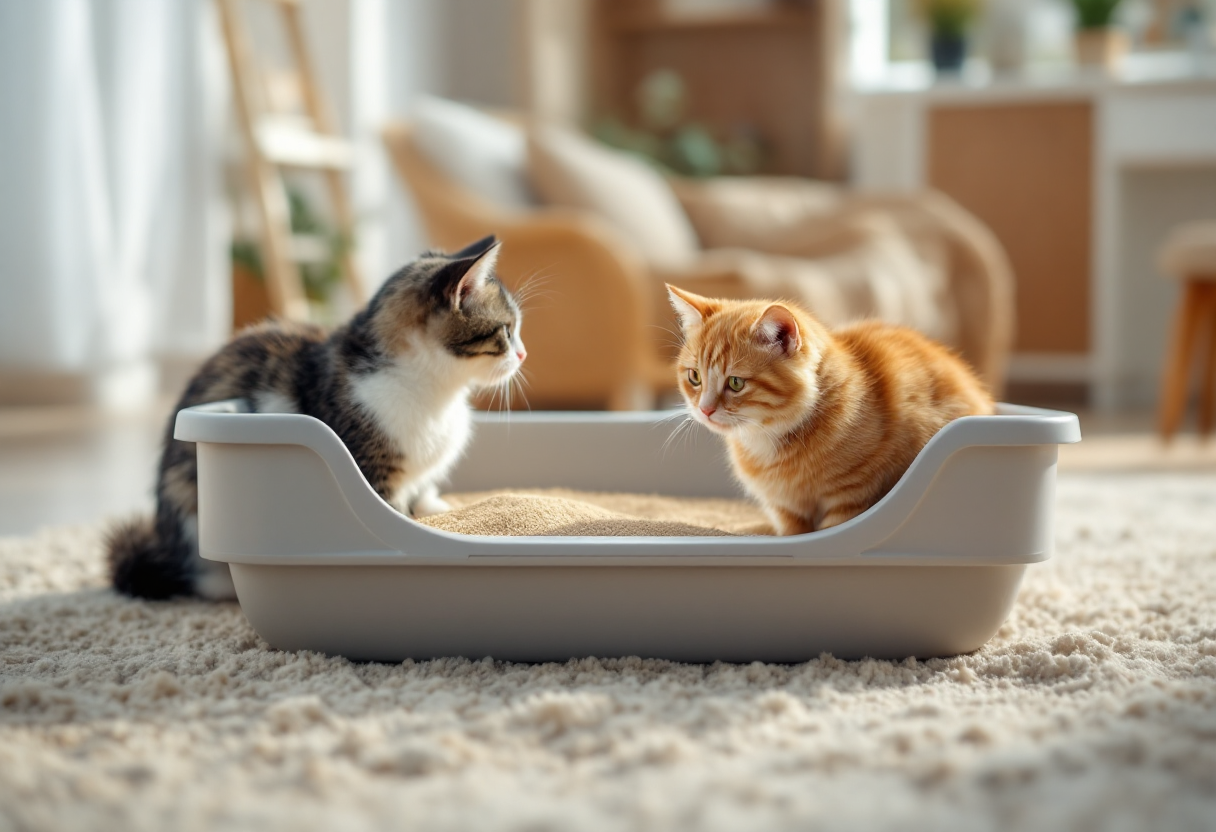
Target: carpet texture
x: 1093, y: 708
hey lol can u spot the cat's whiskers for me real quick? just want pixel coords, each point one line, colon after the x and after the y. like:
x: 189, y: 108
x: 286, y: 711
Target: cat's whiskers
x: 519, y: 381
x: 674, y: 414
x: 674, y: 339
x: 490, y: 405
x: 685, y: 431
x: 682, y: 414
x: 682, y: 429
x: 530, y: 288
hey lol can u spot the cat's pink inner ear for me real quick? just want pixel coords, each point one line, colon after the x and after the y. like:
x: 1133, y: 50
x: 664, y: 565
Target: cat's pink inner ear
x: 776, y: 328
x: 689, y: 307
x: 477, y: 275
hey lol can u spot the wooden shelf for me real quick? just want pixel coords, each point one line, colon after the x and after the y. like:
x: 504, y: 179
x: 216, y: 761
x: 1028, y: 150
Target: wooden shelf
x: 657, y: 21
x: 768, y: 69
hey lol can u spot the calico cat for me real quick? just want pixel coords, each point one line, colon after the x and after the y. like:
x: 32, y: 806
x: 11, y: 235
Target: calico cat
x: 393, y: 383
x: 819, y: 424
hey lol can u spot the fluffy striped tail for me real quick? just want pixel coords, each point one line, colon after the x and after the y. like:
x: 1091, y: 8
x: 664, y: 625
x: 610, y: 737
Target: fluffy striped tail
x: 142, y: 565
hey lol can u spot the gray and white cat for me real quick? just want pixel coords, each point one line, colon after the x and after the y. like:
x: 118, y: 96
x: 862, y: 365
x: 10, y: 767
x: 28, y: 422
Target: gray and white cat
x: 393, y: 383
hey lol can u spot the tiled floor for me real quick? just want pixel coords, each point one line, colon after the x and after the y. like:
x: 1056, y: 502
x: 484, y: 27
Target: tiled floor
x: 61, y: 465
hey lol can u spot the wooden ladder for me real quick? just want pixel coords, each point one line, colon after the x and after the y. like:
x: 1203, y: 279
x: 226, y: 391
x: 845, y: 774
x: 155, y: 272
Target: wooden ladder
x: 275, y: 142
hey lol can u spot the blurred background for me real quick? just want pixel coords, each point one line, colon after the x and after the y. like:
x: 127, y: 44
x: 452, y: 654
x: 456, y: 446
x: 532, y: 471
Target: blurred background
x: 1030, y: 181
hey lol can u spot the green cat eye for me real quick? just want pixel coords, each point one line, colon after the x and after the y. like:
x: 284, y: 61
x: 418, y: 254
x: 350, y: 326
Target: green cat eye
x: 694, y: 378
x: 735, y: 383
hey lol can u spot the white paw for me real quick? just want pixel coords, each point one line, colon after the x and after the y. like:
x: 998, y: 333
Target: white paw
x: 429, y: 504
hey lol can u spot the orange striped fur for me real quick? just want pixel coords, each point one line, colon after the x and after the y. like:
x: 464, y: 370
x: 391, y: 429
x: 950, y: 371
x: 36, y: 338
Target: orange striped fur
x: 823, y: 423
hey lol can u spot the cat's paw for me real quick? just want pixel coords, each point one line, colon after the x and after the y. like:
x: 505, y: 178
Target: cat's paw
x: 787, y: 523
x: 429, y: 504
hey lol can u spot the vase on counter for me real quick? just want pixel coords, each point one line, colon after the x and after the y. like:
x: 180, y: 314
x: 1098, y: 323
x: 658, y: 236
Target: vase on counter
x: 1098, y: 41
x: 1006, y: 25
x: 948, y: 23
x: 1100, y: 47
x: 948, y: 51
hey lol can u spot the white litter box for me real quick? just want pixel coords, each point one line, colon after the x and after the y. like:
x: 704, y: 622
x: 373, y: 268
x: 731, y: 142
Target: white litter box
x: 320, y: 562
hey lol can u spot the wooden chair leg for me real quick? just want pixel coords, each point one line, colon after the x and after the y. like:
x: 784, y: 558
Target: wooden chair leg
x: 1178, y: 363
x: 1207, y: 391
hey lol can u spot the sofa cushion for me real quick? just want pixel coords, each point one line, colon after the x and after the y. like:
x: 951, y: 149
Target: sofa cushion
x: 568, y: 169
x: 756, y: 212
x: 484, y: 154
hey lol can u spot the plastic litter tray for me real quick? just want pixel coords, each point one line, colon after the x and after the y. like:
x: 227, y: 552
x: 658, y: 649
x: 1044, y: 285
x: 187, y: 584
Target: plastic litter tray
x: 320, y: 562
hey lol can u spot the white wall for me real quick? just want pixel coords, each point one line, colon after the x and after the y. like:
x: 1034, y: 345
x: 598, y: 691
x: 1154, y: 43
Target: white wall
x: 1154, y: 201
x: 375, y: 57
x: 479, y: 45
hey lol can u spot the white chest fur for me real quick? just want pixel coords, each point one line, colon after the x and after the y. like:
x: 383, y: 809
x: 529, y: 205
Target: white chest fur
x: 425, y: 413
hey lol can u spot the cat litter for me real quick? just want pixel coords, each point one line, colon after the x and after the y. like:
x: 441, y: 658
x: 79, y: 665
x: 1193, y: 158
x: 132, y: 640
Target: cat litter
x: 321, y: 562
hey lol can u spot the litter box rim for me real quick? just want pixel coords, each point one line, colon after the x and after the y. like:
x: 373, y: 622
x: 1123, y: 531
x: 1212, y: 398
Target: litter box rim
x: 1027, y: 437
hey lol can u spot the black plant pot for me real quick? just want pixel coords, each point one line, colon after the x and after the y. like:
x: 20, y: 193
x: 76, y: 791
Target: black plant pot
x: 949, y: 52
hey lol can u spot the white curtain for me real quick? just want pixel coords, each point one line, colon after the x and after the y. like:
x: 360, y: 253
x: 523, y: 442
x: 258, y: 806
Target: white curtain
x: 113, y: 222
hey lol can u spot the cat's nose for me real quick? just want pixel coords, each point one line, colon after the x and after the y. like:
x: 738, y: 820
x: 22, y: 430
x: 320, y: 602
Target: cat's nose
x: 521, y: 354
x: 708, y: 410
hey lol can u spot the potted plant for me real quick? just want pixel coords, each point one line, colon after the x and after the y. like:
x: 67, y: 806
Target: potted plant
x: 1098, y: 41
x: 948, y: 21
x: 670, y: 142
x: 319, y: 252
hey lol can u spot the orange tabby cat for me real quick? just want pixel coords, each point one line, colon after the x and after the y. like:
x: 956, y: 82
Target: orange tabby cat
x: 820, y: 424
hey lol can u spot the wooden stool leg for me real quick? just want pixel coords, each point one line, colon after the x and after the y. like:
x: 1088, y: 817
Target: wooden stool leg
x: 1174, y: 384
x: 1207, y: 393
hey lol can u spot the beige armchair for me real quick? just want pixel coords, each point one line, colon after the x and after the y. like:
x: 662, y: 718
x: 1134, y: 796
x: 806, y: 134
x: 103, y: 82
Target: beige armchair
x: 585, y: 324
x: 599, y: 329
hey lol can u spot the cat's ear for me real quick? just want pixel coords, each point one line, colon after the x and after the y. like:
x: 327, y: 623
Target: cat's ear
x: 692, y: 309
x: 777, y: 329
x: 475, y: 249
x: 465, y: 275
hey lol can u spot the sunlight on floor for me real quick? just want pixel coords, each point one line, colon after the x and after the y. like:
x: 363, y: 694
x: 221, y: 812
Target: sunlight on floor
x: 67, y: 465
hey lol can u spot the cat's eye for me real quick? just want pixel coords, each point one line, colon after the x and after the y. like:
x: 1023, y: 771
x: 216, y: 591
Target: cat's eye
x: 735, y: 383
x: 694, y: 377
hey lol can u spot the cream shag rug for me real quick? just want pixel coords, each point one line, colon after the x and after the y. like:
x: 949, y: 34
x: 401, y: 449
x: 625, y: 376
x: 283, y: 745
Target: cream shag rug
x: 1094, y: 707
